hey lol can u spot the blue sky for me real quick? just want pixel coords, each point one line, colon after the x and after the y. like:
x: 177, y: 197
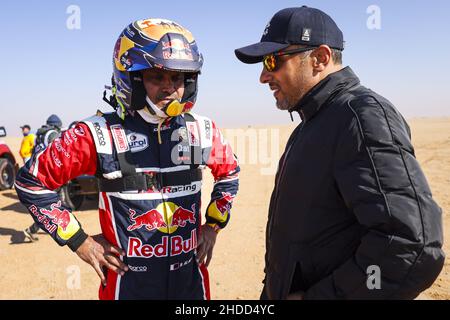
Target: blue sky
x: 48, y: 68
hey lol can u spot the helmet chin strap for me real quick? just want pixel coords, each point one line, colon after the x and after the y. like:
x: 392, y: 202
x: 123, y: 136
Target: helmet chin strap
x: 151, y: 113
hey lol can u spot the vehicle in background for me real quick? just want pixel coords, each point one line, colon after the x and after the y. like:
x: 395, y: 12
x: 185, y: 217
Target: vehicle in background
x: 8, y: 164
x: 76, y: 191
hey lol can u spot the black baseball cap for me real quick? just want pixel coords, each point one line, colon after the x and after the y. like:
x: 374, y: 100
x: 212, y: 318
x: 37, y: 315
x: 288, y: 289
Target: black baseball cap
x: 301, y: 25
x: 25, y: 126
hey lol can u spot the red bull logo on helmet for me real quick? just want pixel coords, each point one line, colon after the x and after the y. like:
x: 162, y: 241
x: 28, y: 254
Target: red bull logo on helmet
x: 176, y: 44
x: 167, y: 217
x: 176, y: 47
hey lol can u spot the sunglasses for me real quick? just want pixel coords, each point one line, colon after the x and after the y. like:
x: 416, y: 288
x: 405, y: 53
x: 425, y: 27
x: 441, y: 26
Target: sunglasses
x: 271, y: 62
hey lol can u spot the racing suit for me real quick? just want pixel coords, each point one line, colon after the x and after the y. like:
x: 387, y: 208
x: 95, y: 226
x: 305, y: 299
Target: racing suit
x: 158, y: 227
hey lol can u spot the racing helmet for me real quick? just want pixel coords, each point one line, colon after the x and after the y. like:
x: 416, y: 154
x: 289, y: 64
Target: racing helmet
x: 154, y: 43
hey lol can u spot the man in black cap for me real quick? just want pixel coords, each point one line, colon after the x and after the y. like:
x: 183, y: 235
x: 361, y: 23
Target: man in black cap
x: 351, y: 215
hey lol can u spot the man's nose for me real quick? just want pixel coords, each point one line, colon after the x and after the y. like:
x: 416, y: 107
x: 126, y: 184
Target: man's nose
x: 167, y: 83
x: 265, y: 76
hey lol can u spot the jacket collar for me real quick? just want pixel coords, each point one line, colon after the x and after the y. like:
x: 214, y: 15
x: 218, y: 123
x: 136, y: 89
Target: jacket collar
x: 324, y: 91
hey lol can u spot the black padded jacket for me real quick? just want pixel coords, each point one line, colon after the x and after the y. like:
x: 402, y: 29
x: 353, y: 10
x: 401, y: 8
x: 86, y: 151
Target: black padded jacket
x: 351, y: 202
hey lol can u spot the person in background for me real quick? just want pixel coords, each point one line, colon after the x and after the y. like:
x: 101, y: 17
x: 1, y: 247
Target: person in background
x: 48, y: 132
x: 26, y: 148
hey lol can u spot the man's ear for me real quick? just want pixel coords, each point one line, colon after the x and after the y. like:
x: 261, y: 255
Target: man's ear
x: 321, y: 57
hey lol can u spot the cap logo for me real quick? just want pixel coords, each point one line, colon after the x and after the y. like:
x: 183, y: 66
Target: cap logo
x: 306, y: 35
x: 266, y: 30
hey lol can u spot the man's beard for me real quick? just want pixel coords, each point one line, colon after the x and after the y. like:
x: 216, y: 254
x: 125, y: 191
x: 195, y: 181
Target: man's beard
x: 284, y: 104
x: 287, y: 103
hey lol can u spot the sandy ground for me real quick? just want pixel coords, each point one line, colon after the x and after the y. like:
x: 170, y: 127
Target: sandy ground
x: 43, y: 270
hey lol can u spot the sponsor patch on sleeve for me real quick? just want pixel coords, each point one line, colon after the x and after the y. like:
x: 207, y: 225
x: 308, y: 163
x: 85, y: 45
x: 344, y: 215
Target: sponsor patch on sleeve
x: 99, y: 130
x: 120, y: 138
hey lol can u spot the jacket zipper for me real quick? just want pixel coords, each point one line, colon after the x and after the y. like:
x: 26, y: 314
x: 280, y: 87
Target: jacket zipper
x: 280, y: 176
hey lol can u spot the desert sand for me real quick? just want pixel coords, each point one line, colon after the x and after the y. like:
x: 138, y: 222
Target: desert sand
x: 43, y: 270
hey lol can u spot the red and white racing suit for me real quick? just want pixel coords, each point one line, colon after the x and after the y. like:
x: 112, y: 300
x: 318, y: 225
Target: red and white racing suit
x: 158, y: 227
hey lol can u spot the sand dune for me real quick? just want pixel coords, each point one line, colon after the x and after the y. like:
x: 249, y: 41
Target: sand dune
x: 42, y: 270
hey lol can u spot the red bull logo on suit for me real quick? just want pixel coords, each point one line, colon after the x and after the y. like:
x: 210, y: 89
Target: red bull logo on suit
x: 167, y: 217
x: 58, y: 216
x: 67, y: 226
x: 178, y: 245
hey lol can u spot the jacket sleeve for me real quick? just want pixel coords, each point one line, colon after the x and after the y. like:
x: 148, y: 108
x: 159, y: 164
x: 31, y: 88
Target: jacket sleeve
x: 382, y: 184
x: 225, y: 170
x: 66, y: 158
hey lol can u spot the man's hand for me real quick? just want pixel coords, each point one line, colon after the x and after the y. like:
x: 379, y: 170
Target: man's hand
x: 295, y: 295
x: 99, y: 253
x: 206, y: 243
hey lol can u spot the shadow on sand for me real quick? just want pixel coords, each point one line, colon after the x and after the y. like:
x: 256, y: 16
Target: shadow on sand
x: 17, y: 207
x: 10, y: 194
x: 17, y: 237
